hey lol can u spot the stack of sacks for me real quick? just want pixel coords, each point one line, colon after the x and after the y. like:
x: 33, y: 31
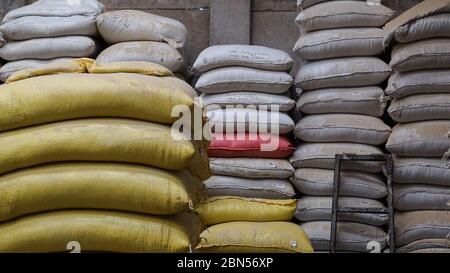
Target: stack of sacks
x: 340, y: 79
x: 48, y: 30
x: 89, y: 156
x: 140, y: 36
x: 420, y: 88
x: 250, y: 198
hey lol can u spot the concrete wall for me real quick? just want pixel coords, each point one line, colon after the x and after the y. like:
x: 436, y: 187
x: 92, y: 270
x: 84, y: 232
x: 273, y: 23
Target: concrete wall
x: 271, y: 22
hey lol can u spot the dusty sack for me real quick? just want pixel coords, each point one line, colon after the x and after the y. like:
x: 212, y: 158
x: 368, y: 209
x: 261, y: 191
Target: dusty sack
x: 250, y: 145
x: 249, y: 187
x: 154, y: 52
x: 421, y: 55
x: 56, y: 8
x: 260, y: 100
x: 343, y: 14
x: 245, y: 120
x: 418, y: 225
x: 230, y: 79
x: 421, y: 197
x: 322, y: 155
x: 252, y: 167
x: 434, y: 171
x: 419, y: 82
x: 112, y: 140
x: 250, y: 237
x: 319, y: 209
x: 252, y: 56
x: 218, y: 210
x: 342, y: 128
x: 12, y: 67
x: 338, y: 43
x: 31, y: 27
x: 99, y: 231
x: 123, y: 187
x: 319, y: 182
x: 420, y: 108
x: 49, y: 48
x: 308, y: 3
x: 369, y: 101
x: 350, y: 236
x: 441, y: 245
x: 69, y: 96
x: 134, y: 25
x: 343, y: 72
x: 433, y: 26
x: 420, y: 139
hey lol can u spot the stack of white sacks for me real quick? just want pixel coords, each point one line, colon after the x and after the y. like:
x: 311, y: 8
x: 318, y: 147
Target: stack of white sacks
x: 420, y: 88
x: 240, y: 85
x: 340, y: 79
x: 135, y: 35
x: 48, y: 30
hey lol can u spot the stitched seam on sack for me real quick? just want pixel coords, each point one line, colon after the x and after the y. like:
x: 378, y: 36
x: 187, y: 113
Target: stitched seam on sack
x: 342, y: 75
x: 334, y: 41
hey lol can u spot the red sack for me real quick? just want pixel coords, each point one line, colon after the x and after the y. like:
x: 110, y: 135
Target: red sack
x: 250, y: 145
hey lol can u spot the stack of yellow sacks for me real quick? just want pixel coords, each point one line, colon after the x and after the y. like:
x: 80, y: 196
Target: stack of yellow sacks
x: 250, y: 225
x: 88, y: 156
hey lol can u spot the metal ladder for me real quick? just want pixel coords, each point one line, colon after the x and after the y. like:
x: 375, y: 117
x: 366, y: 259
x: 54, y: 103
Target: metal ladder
x: 339, y: 159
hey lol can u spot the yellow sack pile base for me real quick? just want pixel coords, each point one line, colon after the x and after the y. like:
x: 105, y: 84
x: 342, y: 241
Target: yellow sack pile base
x: 92, y: 185
x: 230, y: 209
x: 99, y: 231
x: 112, y: 140
x: 254, y: 237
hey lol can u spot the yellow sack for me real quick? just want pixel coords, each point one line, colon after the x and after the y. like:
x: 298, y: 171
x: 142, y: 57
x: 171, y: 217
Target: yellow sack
x: 230, y: 209
x: 57, y: 67
x: 113, y: 140
x: 99, y: 231
x: 113, y: 186
x: 70, y: 96
x: 254, y: 237
x: 144, y: 68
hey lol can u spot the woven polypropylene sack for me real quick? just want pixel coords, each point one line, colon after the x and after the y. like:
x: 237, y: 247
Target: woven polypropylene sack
x: 319, y: 182
x: 343, y: 14
x: 252, y: 167
x: 338, y: 43
x: 113, y: 186
x: 155, y: 52
x: 100, y: 231
x: 322, y: 156
x: 320, y: 209
x: 231, y: 79
x: 342, y: 128
x: 421, y: 197
x: 135, y: 25
x: 218, y: 210
x: 352, y: 237
x: 369, y: 101
x: 417, y: 225
x: 342, y: 72
x: 249, y: 187
x: 258, y: 57
x: 251, y: 237
x: 49, y: 48
x: 260, y: 100
x: 420, y: 108
x: 433, y: 26
x: 427, y: 54
x: 421, y: 170
x: 419, y: 82
x: 420, y: 139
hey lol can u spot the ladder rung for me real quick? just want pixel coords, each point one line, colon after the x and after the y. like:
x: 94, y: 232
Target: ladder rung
x: 364, y: 210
